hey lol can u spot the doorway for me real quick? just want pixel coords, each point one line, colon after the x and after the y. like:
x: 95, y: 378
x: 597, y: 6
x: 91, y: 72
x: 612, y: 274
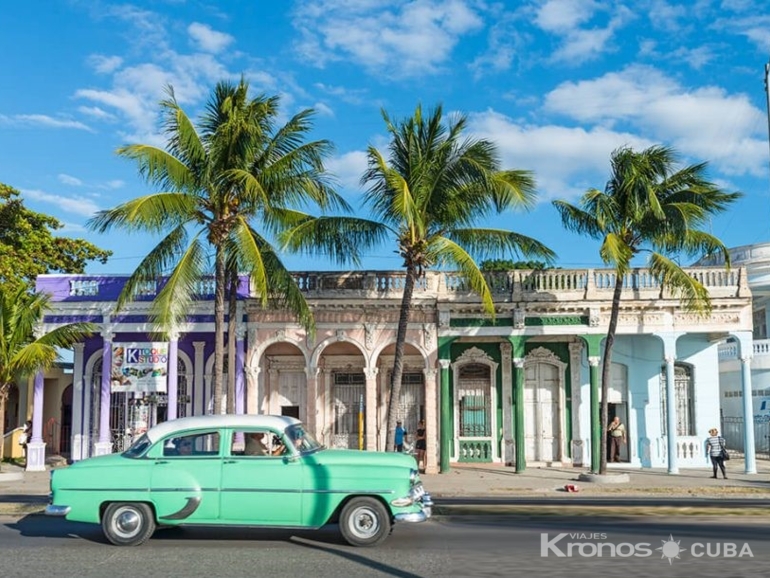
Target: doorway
x: 620, y: 410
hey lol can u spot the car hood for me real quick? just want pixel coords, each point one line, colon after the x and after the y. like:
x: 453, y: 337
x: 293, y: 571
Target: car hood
x: 365, y: 459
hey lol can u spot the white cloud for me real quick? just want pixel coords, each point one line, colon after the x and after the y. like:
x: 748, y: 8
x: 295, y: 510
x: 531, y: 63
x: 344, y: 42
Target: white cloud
x: 96, y: 112
x: 323, y: 109
x: 42, y: 120
x: 104, y: 64
x: 70, y: 180
x: 77, y: 205
x: 398, y: 39
x: 565, y: 15
x: 208, y: 39
x: 566, y: 161
x: 115, y: 184
x: 348, y: 169
x: 707, y: 124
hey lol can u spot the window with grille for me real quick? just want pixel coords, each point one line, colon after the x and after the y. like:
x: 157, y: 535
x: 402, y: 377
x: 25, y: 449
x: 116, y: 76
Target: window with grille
x: 474, y: 392
x: 348, y: 391
x: 684, y: 389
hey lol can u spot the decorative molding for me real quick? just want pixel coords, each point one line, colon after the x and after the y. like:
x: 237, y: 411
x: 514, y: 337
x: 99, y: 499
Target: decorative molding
x: 593, y: 317
x: 594, y: 360
x: 519, y: 318
x: 543, y: 355
x: 443, y: 318
x: 427, y: 334
x: 475, y: 355
x: 280, y: 335
x: 518, y: 362
x: 371, y: 372
x: 369, y: 335
x: 444, y: 363
x: 340, y: 333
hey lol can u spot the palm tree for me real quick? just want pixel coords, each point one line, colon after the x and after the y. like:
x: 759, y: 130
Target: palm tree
x: 434, y: 186
x: 22, y: 353
x: 649, y: 206
x: 235, y: 169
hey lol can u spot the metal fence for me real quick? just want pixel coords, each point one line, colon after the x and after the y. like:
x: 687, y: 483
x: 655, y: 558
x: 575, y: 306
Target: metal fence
x: 733, y: 430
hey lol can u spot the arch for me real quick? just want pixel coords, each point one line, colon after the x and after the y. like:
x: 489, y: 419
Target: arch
x: 340, y: 337
x: 65, y: 421
x: 423, y: 352
x: 254, y: 356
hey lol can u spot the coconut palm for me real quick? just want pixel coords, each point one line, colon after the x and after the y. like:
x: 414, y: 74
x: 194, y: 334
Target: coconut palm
x: 22, y: 352
x: 649, y: 206
x: 435, y: 185
x: 216, y: 180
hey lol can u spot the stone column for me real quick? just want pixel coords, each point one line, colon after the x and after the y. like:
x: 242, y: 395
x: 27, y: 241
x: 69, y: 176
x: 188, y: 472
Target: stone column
x: 36, y: 445
x: 173, y: 378
x: 370, y: 428
x: 199, y: 382
x: 748, y: 416
x: 596, y: 419
x: 431, y: 421
x: 520, y: 447
x: 77, y: 441
x: 446, y: 417
x: 575, y: 355
x: 104, y: 445
x: 311, y: 377
x: 240, y: 363
x: 507, y: 393
x: 671, y: 434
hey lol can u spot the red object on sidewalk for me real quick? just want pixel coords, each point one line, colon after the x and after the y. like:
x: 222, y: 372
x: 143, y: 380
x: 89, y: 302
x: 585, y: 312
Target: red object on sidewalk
x: 571, y: 488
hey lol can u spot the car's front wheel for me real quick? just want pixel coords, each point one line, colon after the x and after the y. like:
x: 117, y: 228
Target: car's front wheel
x: 128, y: 524
x: 364, y: 522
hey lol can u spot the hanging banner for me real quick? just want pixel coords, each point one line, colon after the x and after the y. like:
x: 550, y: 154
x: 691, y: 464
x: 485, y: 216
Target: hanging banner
x: 139, y: 367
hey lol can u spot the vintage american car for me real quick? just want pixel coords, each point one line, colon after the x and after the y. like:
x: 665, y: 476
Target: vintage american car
x: 239, y: 470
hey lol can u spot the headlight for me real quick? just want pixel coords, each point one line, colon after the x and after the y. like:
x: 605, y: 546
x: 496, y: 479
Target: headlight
x: 413, y: 475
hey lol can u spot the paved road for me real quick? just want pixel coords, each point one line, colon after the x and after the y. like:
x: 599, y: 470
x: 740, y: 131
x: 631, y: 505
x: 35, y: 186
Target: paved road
x: 482, y: 546
x: 617, y: 502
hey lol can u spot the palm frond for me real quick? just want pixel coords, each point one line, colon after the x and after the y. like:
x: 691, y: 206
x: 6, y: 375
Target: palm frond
x: 693, y: 295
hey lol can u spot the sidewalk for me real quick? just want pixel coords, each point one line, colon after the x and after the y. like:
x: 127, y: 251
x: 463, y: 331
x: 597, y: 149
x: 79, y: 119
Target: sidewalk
x: 30, y: 493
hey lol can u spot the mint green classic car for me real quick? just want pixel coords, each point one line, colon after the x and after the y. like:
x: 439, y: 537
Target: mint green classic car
x: 239, y: 470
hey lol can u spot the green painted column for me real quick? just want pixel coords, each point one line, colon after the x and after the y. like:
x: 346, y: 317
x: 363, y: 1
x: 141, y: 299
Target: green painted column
x: 596, y: 426
x: 446, y: 413
x: 518, y: 400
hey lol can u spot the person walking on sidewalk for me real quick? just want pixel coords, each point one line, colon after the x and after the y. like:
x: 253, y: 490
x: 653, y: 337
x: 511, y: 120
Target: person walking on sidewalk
x: 617, y: 433
x: 400, y: 437
x: 715, y: 449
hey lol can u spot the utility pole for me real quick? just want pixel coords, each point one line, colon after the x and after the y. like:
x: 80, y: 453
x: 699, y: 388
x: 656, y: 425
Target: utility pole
x: 767, y: 93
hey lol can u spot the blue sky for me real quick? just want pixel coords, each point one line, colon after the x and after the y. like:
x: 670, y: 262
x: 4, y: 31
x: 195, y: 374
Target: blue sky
x: 556, y: 84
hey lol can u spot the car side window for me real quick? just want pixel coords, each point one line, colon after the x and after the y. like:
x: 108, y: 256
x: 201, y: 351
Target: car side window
x: 256, y: 443
x: 193, y: 445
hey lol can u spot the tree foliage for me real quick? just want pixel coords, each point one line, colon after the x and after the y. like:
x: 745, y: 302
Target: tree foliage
x: 649, y: 205
x: 29, y: 247
x: 22, y: 352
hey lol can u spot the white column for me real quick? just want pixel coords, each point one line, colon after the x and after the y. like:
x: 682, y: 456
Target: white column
x: 370, y: 427
x: 172, y: 380
x: 199, y: 401
x: 748, y: 416
x: 104, y: 444
x: 575, y: 356
x: 78, y: 447
x: 431, y: 421
x: 669, y: 355
x: 506, y: 388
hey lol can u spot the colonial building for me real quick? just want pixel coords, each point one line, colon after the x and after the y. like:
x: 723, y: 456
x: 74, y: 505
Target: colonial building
x: 519, y: 389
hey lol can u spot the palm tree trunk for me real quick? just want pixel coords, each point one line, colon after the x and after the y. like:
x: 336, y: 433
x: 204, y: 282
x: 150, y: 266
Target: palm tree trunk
x: 398, y: 361
x: 231, y: 328
x: 607, y: 368
x: 220, y: 282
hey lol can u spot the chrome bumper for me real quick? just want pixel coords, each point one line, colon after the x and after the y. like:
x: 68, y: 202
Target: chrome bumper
x: 425, y: 502
x: 51, y: 510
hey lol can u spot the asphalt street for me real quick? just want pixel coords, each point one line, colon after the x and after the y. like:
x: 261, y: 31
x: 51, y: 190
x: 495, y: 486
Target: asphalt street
x: 447, y: 546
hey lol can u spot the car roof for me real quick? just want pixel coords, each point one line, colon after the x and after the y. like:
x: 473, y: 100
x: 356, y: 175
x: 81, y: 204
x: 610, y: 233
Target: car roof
x: 277, y: 422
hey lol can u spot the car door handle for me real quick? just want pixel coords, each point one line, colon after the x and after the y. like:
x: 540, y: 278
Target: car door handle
x: 231, y: 461
x: 158, y: 462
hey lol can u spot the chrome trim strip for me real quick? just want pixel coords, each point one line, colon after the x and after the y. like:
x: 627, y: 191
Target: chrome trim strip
x: 186, y: 511
x: 51, y: 510
x: 413, y: 517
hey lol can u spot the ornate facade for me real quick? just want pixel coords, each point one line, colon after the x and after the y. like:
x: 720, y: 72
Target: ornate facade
x: 520, y: 388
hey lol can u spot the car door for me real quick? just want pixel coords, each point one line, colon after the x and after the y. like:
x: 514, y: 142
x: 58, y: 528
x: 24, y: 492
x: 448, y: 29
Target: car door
x: 262, y: 488
x: 185, y: 478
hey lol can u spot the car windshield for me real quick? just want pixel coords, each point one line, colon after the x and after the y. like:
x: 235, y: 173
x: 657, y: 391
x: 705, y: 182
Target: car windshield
x: 138, y: 448
x: 303, y: 441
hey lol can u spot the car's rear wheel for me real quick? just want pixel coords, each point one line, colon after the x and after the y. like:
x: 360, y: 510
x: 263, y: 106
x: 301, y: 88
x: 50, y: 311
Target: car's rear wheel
x: 128, y: 524
x: 364, y: 522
